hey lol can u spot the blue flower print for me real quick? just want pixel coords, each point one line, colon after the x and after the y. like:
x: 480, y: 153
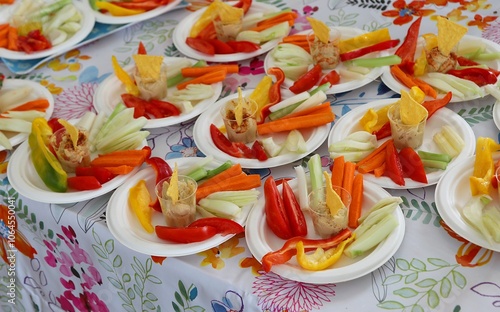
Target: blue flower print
x: 186, y: 148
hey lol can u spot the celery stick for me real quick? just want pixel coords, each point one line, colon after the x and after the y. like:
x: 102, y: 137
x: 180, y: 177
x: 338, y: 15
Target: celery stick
x: 290, y: 101
x: 284, y: 111
x: 375, y: 217
x: 487, y: 56
x: 4, y: 141
x: 434, y: 164
x: 316, y: 176
x: 197, y: 165
x: 434, y: 156
x: 198, y: 174
x: 452, y: 137
x: 444, y: 145
x: 371, y: 238
x: 226, y: 165
x: 376, y: 62
x: 380, y: 204
x: 221, y: 208
x: 323, y: 88
x: 239, y: 198
x: 49, y: 9
x: 302, y: 193
x: 15, y: 125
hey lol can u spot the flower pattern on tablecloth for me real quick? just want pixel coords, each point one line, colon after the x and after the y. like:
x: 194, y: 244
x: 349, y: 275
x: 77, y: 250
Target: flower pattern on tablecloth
x: 75, y: 102
x: 214, y: 256
x: 405, y: 12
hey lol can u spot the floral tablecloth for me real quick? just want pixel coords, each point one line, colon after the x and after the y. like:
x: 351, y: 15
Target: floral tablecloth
x: 67, y: 260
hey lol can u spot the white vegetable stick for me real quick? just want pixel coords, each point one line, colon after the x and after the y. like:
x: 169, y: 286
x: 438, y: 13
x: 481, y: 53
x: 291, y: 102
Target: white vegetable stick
x: 4, y: 141
x: 350, y: 75
x: 86, y: 121
x: 291, y: 100
x: 24, y: 115
x: 302, y: 194
x: 316, y: 99
x: 15, y: 125
x: 14, y: 97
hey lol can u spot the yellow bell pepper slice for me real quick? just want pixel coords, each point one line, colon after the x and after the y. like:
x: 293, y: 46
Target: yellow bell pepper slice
x: 124, y: 77
x: 116, y: 10
x: 320, y: 259
x: 139, y: 199
x: 205, y: 19
x: 261, y: 93
x: 373, y: 120
x: 484, y: 166
x: 364, y: 40
x: 420, y: 66
x: 321, y: 31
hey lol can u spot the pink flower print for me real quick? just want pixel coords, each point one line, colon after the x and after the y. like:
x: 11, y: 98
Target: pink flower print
x: 492, y: 32
x: 301, y: 23
x: 65, y: 304
x: 50, y: 259
x: 95, y: 304
x: 80, y: 256
x: 69, y: 232
x: 75, y: 102
x: 68, y: 284
x: 256, y: 68
x: 66, y: 264
x: 231, y: 84
x: 50, y: 244
x: 92, y: 278
x: 278, y: 294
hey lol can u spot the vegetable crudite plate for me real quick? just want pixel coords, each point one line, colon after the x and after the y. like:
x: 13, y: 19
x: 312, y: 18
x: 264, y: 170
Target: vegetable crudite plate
x: 109, y: 92
x: 110, y: 19
x: 125, y: 226
x: 390, y: 81
x: 452, y: 194
x: 24, y: 178
x: 87, y: 24
x: 345, y: 84
x: 182, y: 30
x: 201, y: 134
x: 261, y: 240
x: 349, y: 123
x: 39, y: 91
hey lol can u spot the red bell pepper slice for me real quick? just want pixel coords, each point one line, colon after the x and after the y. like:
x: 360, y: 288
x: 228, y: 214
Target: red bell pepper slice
x: 412, y: 165
x: 393, y: 168
x: 384, y: 45
x: 480, y: 76
x: 141, y: 49
x: 143, y: 5
x: 307, y: 80
x: 167, y: 109
x: 243, y: 46
x: 258, y: 151
x: 83, y: 183
x: 223, y: 143
x: 276, y: 216
x: 332, y: 77
x: 247, y: 151
x: 289, y: 249
x: 200, y: 45
x: 54, y: 124
x: 222, y: 225
x: 406, y: 50
x: 221, y: 47
x: 138, y: 104
x: 185, y: 235
x: 292, y: 208
x: 102, y: 174
x: 162, y: 170
x: 244, y: 4
x: 153, y: 110
x: 463, y: 61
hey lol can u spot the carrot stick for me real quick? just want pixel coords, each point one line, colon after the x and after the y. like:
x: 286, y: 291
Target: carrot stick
x: 38, y: 104
x: 348, y: 180
x: 379, y: 171
x: 375, y: 162
x: 318, y: 109
x: 285, y: 16
x: 4, y: 32
x: 338, y: 171
x: 4, y: 42
x: 132, y: 158
x: 289, y: 19
x: 410, y: 81
x: 12, y: 39
x: 123, y: 169
x: 209, y: 78
x: 237, y: 183
x: 295, y: 38
x: 232, y: 171
x: 4, y: 26
x: 378, y: 150
x: 300, y: 122
x: 198, y: 71
x: 356, y: 202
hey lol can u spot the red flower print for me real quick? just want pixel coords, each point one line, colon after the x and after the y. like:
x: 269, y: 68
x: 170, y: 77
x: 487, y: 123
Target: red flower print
x: 256, y: 68
x: 482, y: 22
x: 404, y: 12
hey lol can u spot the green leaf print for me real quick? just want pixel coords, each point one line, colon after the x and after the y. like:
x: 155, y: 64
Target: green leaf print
x: 185, y: 298
x: 475, y: 116
x: 420, y: 285
x: 421, y: 211
x: 130, y: 290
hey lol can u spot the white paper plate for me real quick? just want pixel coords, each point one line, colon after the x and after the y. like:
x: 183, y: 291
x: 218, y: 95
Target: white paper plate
x: 345, y: 84
x: 201, y: 134
x: 349, y: 123
x: 490, y: 46
x: 39, y: 91
x: 87, y: 23
x: 105, y: 18
x: 109, y: 92
x: 496, y: 114
x: 182, y: 30
x: 125, y: 227
x: 261, y: 240
x: 24, y: 178
x: 452, y: 194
